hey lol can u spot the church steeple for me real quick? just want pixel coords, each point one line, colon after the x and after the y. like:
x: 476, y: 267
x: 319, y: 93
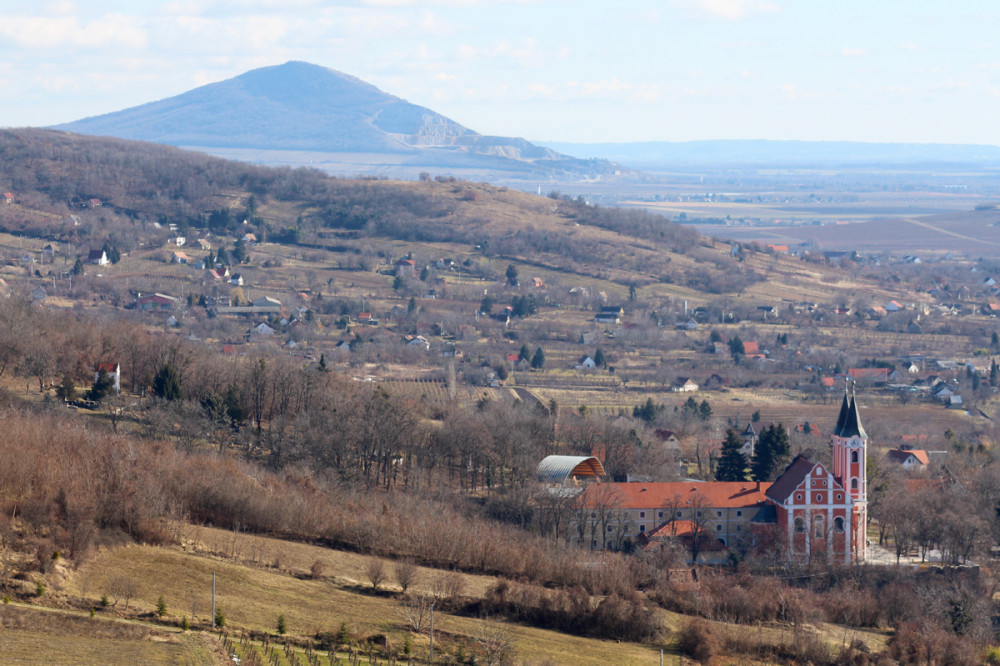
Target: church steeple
x: 845, y: 408
x: 852, y: 423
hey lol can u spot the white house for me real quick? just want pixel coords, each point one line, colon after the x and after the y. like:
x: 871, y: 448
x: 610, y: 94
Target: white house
x: 586, y: 363
x: 263, y: 329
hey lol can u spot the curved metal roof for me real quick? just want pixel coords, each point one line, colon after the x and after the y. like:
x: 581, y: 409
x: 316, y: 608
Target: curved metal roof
x: 556, y: 469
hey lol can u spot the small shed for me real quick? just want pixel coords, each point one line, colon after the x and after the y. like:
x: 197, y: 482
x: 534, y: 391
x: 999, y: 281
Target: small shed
x: 567, y: 469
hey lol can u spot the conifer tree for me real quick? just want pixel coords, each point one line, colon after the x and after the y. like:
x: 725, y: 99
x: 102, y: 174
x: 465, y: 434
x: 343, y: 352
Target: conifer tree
x: 732, y: 464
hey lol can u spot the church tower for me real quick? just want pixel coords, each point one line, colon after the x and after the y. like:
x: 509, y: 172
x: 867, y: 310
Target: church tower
x: 850, y: 456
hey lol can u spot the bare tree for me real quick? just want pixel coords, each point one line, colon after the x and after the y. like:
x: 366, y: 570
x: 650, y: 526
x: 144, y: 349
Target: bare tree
x: 376, y: 572
x: 406, y: 574
x: 495, y: 640
x: 416, y: 611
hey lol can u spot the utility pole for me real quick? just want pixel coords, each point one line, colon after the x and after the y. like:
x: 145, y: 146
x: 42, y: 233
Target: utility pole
x: 213, y: 600
x: 431, y: 660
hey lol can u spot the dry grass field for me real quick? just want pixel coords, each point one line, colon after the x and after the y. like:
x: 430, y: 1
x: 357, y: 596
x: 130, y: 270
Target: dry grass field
x: 46, y: 636
x: 251, y: 596
x: 260, y: 577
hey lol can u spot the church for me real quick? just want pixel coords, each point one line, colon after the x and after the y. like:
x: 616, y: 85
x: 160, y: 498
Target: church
x: 813, y: 512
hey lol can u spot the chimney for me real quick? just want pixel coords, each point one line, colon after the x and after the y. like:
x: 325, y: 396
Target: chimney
x: 758, y: 486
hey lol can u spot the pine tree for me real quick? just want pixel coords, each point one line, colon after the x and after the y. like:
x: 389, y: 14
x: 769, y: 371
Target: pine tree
x: 538, y: 360
x: 732, y: 465
x: 167, y: 384
x: 511, y: 275
x: 282, y: 628
x: 771, y: 453
x: 599, y: 359
x: 994, y: 372
x: 103, y: 385
x: 524, y: 354
x: 161, y: 606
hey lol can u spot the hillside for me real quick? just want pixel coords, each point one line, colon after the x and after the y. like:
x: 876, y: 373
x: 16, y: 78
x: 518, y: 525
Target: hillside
x: 302, y: 107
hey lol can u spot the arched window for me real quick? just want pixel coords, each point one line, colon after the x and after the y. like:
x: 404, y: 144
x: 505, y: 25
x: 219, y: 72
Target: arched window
x: 854, y: 456
x: 800, y: 525
x: 854, y: 484
x: 838, y: 524
x: 820, y: 526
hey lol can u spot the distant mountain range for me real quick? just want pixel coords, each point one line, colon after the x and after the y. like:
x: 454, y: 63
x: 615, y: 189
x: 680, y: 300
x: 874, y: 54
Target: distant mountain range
x: 656, y: 155
x: 276, y: 114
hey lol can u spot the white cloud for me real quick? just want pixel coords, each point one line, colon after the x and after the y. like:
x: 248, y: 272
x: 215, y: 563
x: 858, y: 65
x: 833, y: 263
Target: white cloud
x: 908, y: 46
x: 853, y: 52
x: 39, y: 32
x: 730, y: 10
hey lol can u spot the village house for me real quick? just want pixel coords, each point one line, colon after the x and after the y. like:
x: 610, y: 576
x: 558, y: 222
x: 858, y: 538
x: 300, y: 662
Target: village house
x: 179, y: 258
x: 684, y: 385
x: 609, y: 315
x: 909, y: 459
x: 406, y: 268
x: 98, y: 258
x: 156, y: 302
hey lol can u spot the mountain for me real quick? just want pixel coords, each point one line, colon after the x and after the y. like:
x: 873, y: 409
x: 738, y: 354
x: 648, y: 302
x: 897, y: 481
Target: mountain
x: 303, y: 108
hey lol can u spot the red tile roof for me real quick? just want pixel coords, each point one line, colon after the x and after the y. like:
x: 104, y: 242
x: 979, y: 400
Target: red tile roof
x: 750, y: 348
x: 862, y: 373
x: 896, y: 455
x: 716, y: 494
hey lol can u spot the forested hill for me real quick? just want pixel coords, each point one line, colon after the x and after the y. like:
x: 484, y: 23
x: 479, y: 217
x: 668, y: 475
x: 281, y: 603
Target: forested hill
x: 54, y: 174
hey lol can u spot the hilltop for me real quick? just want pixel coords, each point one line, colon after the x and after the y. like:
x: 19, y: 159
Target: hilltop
x: 302, y: 107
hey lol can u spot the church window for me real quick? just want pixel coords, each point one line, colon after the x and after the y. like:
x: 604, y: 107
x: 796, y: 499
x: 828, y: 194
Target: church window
x: 818, y: 522
x: 838, y: 524
x: 854, y: 456
x: 854, y: 484
x: 839, y: 497
x: 800, y: 525
x: 798, y: 497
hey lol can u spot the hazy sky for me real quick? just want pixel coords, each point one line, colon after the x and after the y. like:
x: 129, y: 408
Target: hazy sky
x: 560, y: 70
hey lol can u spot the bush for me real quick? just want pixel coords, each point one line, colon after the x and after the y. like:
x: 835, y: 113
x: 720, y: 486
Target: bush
x: 161, y: 606
x: 39, y: 588
x: 698, y: 641
x: 317, y: 569
x: 220, y: 619
x: 282, y: 627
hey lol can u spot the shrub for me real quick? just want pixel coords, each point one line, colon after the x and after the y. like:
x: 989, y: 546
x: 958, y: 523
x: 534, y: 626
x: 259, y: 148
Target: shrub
x: 698, y: 641
x: 39, y: 588
x: 161, y: 606
x: 185, y: 625
x: 316, y: 570
x: 220, y: 618
x: 282, y: 627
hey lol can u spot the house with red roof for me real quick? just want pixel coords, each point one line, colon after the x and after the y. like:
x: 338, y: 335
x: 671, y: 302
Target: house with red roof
x: 873, y: 374
x: 909, y: 459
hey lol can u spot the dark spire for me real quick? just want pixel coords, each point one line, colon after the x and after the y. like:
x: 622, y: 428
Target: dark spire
x: 844, y: 409
x: 852, y: 424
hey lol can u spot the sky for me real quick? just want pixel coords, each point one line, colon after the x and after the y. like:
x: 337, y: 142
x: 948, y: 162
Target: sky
x: 546, y: 70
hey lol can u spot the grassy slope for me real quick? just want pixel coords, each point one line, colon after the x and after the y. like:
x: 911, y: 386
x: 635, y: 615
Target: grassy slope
x: 252, y: 595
